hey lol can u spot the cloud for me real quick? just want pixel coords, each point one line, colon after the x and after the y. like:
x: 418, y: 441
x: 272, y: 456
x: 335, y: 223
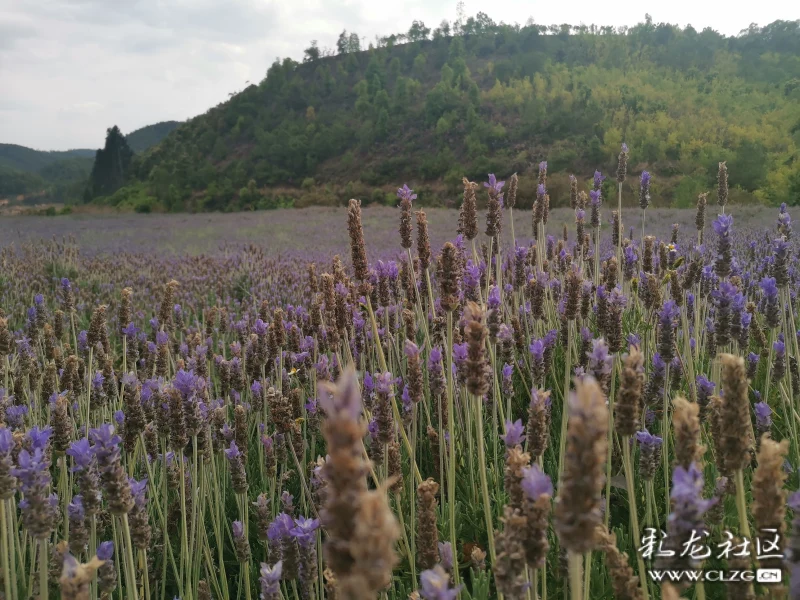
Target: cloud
x: 72, y: 68
x: 14, y: 31
x: 83, y: 108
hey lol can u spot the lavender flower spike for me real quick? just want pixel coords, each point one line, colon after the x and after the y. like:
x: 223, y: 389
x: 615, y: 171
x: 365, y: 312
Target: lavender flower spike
x: 515, y: 433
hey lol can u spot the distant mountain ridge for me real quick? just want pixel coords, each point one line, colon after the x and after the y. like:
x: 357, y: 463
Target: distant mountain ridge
x: 29, y: 160
x: 61, y: 174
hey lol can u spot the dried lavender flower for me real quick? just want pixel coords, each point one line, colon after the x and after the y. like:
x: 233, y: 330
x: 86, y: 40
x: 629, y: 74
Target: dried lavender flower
x: 577, y: 509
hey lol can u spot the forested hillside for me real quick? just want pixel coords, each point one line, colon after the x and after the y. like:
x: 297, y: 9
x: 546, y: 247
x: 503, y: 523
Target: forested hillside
x: 475, y: 97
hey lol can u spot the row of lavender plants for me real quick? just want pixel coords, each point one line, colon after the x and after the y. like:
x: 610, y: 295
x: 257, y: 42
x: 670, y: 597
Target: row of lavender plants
x: 522, y: 421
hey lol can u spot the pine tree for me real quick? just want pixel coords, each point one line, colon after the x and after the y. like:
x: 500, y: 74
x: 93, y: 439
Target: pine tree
x: 111, y: 164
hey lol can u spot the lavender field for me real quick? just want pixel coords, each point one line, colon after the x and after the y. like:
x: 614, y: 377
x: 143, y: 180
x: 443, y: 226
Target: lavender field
x: 403, y: 403
x: 317, y: 232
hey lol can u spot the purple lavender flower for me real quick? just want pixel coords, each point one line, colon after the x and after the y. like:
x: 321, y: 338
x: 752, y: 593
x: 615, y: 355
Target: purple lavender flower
x: 39, y: 437
x: 446, y: 555
x: 494, y: 186
x: 270, y: 580
x: 83, y: 342
x: 645, y: 438
x: 515, y: 433
x: 668, y: 314
x: 406, y: 193
x: 769, y: 288
x: 82, y: 454
x: 383, y: 382
x: 507, y: 383
x: 105, y: 550
x: 238, y: 529
x: 771, y: 309
x: 688, y: 505
x: 723, y: 225
x: 130, y: 331
x: 75, y: 510
x: 598, y: 179
x: 535, y: 483
x: 600, y: 360
x: 304, y: 531
x: 7, y: 481
x: 38, y: 512
x: 460, y: 353
x: 435, y: 585
x: 763, y: 417
x: 644, y: 190
x: 537, y: 350
x: 752, y: 364
x: 705, y: 388
x: 493, y: 302
x: 232, y: 452
x: 410, y: 349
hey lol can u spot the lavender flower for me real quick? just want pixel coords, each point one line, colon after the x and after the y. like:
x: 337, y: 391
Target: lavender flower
x: 39, y: 510
x: 406, y: 193
x: 270, y: 581
x: 535, y: 483
x: 649, y: 453
x: 763, y: 418
x: 598, y: 180
x: 7, y: 480
x: 435, y: 585
x: 600, y: 363
x: 769, y: 288
x: 515, y: 433
x: 686, y: 518
x: 644, y: 190
x: 494, y: 186
x: 446, y: 555
x: 112, y: 476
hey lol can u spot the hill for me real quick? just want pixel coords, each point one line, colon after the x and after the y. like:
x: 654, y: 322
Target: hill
x: 480, y: 97
x: 61, y: 175
x: 31, y: 161
x: 146, y: 137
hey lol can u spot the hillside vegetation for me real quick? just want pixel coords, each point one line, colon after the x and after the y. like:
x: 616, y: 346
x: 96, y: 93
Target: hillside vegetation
x: 480, y: 97
x: 62, y: 175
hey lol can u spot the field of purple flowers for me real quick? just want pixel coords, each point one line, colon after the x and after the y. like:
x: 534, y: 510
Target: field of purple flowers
x: 483, y: 404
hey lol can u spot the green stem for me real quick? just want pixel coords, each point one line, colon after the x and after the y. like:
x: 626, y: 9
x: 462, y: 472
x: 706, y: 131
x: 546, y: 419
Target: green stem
x: 575, y: 561
x: 184, y: 531
x: 487, y: 507
x: 126, y: 536
x: 43, y: 591
x: 451, y: 471
x: 4, y: 549
x: 628, y: 463
x: 395, y: 410
x: 665, y: 435
x: 565, y: 402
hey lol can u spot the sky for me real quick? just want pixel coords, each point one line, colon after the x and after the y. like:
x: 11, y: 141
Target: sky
x: 69, y: 69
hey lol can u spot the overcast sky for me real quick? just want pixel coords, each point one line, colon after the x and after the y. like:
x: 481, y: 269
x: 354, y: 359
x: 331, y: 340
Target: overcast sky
x: 71, y: 68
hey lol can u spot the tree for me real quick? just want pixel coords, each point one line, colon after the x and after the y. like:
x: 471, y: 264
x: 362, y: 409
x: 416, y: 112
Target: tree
x: 442, y: 31
x: 418, y: 32
x: 311, y: 53
x: 354, y: 43
x: 343, y: 43
x: 111, y: 164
